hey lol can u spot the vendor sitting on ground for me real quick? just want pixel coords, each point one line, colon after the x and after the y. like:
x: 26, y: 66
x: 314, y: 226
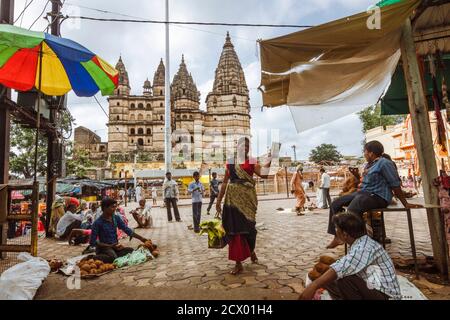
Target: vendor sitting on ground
x: 69, y: 221
x: 380, y: 181
x: 105, y: 229
x: 142, y: 215
x: 82, y: 235
x: 365, y: 273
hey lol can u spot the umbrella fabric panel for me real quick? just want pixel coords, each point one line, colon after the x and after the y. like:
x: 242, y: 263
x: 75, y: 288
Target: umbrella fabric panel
x: 101, y: 79
x: 19, y: 72
x: 54, y: 77
x: 67, y: 49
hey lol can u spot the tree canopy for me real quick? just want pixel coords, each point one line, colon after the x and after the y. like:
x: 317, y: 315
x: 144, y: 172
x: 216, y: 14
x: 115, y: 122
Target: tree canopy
x: 371, y: 118
x: 327, y: 153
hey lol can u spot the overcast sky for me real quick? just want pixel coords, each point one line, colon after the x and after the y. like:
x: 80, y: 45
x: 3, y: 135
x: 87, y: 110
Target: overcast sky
x: 142, y: 47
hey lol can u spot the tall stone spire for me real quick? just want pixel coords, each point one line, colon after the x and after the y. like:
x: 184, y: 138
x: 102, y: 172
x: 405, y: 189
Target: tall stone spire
x: 160, y: 74
x: 229, y: 74
x: 123, y: 87
x: 183, y: 86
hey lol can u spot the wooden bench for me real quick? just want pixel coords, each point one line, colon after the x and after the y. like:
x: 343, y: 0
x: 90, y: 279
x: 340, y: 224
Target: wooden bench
x: 370, y: 217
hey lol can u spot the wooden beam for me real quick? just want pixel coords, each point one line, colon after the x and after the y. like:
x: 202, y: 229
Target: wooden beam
x: 424, y: 145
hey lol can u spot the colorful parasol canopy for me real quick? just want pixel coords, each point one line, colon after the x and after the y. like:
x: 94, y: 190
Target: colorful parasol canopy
x: 66, y: 65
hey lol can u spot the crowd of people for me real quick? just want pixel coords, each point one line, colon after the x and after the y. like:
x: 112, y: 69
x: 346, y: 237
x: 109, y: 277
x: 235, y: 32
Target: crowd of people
x: 236, y: 205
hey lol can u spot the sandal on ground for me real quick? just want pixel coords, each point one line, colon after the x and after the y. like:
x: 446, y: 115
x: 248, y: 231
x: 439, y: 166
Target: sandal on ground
x: 236, y: 270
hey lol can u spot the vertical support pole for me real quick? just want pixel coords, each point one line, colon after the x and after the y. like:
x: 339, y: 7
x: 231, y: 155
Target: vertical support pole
x: 52, y: 140
x: 6, y: 16
x: 34, y: 219
x: 424, y: 144
x: 167, y: 127
x: 126, y: 197
x: 286, y: 179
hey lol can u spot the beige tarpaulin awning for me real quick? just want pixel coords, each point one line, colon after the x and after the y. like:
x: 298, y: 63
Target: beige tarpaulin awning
x: 334, y: 69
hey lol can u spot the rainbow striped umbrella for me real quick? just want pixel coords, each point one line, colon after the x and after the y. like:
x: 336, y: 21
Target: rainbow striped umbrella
x: 51, y: 64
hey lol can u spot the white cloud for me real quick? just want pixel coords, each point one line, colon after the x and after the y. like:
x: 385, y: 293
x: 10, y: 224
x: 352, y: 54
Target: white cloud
x: 142, y: 46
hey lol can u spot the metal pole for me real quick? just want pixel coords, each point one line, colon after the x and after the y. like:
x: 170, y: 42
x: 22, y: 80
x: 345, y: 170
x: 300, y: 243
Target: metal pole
x: 134, y: 169
x: 286, y: 178
x: 126, y: 190
x: 168, y: 130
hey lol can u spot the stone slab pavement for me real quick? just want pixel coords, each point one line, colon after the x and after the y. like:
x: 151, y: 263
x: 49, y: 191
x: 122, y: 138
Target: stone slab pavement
x: 288, y: 246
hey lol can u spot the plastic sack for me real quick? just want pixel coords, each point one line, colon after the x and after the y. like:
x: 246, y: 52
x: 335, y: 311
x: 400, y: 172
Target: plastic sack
x: 21, y: 281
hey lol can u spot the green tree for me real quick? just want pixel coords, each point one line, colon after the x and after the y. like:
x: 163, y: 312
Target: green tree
x: 21, y: 160
x: 371, y: 118
x: 77, y: 161
x: 325, y: 153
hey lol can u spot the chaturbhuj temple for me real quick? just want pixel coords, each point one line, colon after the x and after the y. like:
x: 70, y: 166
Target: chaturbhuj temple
x: 136, y: 122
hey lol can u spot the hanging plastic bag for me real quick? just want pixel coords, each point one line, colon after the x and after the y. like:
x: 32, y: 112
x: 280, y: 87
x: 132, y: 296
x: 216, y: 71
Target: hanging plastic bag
x: 21, y: 281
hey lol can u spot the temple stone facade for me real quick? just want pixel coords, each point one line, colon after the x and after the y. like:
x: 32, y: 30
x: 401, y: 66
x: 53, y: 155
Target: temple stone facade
x: 136, y: 122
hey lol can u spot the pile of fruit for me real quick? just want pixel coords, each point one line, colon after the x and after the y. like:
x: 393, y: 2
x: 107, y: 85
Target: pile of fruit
x: 321, y: 267
x: 94, y: 267
x: 55, y: 264
x: 153, y: 248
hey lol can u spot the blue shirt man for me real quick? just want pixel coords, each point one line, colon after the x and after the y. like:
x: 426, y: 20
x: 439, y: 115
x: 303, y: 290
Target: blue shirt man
x: 104, y: 233
x: 197, y: 189
x: 380, y: 178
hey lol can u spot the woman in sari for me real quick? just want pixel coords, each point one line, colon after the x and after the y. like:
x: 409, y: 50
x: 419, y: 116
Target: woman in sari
x: 298, y: 191
x: 240, y: 205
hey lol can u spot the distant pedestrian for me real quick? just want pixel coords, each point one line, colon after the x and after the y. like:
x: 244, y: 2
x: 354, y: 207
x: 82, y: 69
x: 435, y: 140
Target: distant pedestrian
x: 298, y: 191
x: 325, y: 183
x: 213, y: 190
x: 122, y: 194
x: 197, y: 190
x: 171, y: 194
x: 154, y: 195
x: 139, y: 193
x: 130, y: 194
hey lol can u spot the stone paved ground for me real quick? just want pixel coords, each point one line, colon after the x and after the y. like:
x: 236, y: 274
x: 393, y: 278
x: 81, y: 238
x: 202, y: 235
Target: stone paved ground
x: 287, y: 246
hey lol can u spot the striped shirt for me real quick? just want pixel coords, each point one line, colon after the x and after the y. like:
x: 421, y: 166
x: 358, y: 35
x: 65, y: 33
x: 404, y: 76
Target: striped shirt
x: 368, y: 260
x: 380, y: 177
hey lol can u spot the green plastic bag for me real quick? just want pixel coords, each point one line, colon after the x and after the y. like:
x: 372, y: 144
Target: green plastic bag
x: 138, y: 256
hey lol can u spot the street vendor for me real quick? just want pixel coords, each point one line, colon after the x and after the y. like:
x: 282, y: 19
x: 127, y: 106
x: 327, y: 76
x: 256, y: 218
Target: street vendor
x: 142, y: 215
x: 365, y: 273
x: 104, y: 233
x: 70, y: 220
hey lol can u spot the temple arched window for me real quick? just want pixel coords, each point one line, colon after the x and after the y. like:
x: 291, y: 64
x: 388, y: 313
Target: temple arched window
x: 118, y: 117
x: 140, y: 131
x: 132, y: 131
x: 149, y: 131
x: 133, y: 106
x: 184, y: 117
x: 161, y: 105
x: 149, y: 106
x: 140, y: 106
x: 132, y: 117
x: 140, y: 142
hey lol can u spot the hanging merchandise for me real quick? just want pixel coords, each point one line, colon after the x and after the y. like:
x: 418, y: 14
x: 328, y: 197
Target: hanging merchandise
x: 441, y: 135
x: 445, y: 100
